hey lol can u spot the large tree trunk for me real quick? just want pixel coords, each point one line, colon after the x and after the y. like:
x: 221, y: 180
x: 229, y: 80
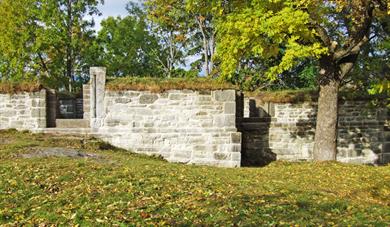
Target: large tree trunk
x: 325, y: 142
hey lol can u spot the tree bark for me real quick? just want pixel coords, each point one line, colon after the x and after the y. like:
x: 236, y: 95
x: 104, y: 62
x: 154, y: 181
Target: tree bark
x: 212, y: 51
x: 325, y: 142
x: 69, y: 55
x: 205, y: 46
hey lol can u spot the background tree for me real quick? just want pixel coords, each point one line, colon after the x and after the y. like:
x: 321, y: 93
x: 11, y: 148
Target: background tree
x: 67, y: 38
x: 128, y: 47
x: 19, y: 31
x: 204, y: 37
x: 47, y: 39
x: 334, y: 32
x: 165, y: 25
x: 372, y: 71
x: 193, y: 25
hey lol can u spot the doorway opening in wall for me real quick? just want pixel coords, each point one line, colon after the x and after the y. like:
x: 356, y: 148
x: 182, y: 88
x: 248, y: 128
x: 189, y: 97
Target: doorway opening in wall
x: 66, y: 110
x: 70, y: 106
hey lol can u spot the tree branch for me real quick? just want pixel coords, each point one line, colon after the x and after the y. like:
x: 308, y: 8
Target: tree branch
x: 355, y: 49
x: 323, y: 35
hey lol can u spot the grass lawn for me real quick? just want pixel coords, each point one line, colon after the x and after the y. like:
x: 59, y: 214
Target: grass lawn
x: 115, y: 187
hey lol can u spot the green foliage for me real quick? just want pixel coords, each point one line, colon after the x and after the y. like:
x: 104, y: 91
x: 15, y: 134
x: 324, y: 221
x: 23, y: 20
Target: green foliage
x: 372, y: 71
x: 192, y: 25
x: 18, y: 32
x: 275, y: 38
x: 267, y: 30
x: 166, y: 19
x: 121, y: 188
x: 46, y: 39
x: 127, y: 47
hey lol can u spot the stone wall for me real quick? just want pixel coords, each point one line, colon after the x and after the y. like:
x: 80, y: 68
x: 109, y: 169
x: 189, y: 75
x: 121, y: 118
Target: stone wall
x: 181, y: 126
x: 23, y: 111
x: 218, y: 128
x: 286, y: 131
x: 87, y: 101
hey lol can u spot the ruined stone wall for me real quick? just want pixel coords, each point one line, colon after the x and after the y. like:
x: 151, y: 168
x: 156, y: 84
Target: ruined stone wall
x: 218, y: 128
x: 184, y: 126
x: 286, y: 131
x: 23, y: 111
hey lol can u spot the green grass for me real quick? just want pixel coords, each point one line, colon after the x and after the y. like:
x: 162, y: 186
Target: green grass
x: 122, y: 188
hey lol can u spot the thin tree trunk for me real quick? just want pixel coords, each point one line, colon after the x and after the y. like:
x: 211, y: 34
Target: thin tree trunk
x: 212, y: 51
x: 205, y: 46
x: 171, y: 55
x: 69, y: 61
x: 325, y: 142
x: 206, y: 58
x: 44, y: 66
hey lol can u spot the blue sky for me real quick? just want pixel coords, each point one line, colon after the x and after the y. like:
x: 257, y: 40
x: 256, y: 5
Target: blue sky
x: 111, y: 8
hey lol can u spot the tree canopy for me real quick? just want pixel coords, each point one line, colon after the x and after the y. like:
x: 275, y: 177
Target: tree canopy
x: 127, y: 47
x: 284, y: 33
x: 46, y: 39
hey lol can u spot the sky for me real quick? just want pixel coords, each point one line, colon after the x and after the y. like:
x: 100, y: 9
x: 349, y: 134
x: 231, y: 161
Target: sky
x: 111, y: 8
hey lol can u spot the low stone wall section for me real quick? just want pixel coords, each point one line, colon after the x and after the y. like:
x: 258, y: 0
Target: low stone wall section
x: 218, y: 128
x: 23, y: 111
x: 286, y: 132
x: 195, y: 127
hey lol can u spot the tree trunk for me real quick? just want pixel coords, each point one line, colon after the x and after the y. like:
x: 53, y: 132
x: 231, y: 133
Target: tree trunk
x: 212, y: 51
x: 205, y: 46
x: 69, y: 60
x: 206, y: 57
x: 325, y: 142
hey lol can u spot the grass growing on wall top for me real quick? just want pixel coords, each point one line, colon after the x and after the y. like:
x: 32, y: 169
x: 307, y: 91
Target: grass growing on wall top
x: 310, y: 95
x: 285, y: 96
x: 7, y: 87
x: 120, y: 188
x: 164, y: 84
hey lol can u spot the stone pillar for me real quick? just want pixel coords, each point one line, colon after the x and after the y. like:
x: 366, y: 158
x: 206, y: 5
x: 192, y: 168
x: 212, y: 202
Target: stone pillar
x: 41, y: 120
x: 87, y: 101
x: 97, y: 92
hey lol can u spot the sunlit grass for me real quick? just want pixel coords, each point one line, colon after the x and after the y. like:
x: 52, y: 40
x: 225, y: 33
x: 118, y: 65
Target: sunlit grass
x: 121, y: 188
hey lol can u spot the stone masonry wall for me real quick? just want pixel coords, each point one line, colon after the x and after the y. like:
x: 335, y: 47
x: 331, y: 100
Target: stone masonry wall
x: 217, y: 128
x: 23, y: 111
x: 181, y: 126
x: 286, y: 131
x: 87, y: 101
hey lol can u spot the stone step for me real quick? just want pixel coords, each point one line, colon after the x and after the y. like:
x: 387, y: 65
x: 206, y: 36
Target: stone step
x: 72, y: 123
x: 254, y: 120
x: 85, y: 132
x: 249, y: 126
